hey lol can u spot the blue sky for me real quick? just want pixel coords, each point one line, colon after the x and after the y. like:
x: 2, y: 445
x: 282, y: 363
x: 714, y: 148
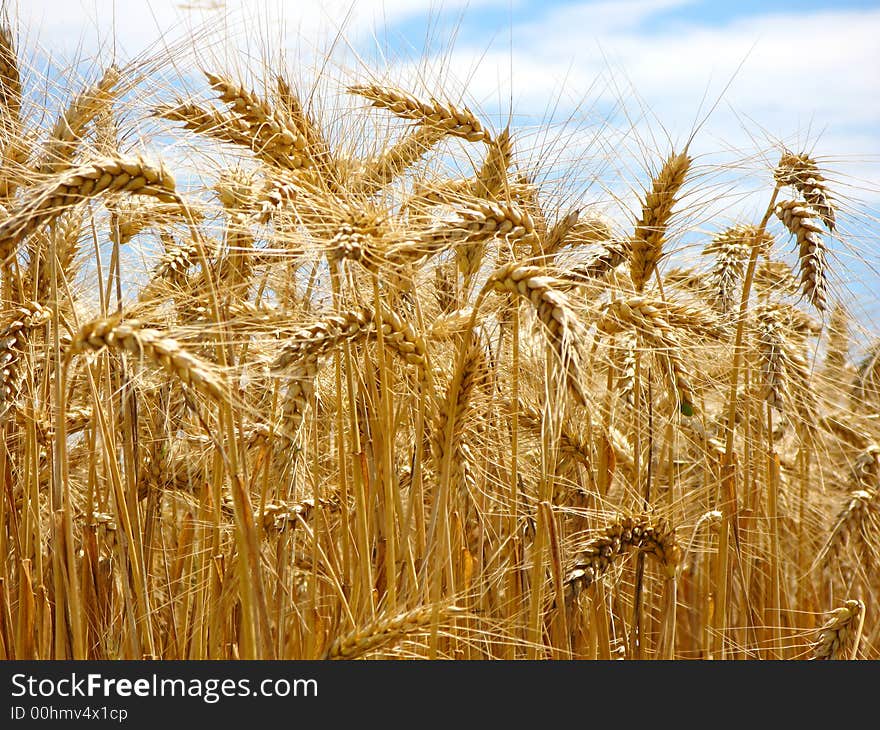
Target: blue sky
x: 617, y: 82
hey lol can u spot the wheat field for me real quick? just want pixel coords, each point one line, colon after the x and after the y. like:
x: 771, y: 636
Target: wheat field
x: 328, y: 372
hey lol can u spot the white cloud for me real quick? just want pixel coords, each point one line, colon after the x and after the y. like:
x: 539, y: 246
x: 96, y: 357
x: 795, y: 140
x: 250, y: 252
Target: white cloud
x: 133, y: 27
x: 808, y: 77
x: 801, y: 71
x: 796, y: 69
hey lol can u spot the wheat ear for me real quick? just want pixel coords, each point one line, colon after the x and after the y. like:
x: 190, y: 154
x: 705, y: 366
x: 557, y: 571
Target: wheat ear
x: 771, y: 348
x: 473, y: 222
x: 839, y: 636
x: 382, y: 633
x: 131, y: 219
x: 802, y: 173
x: 149, y: 345
x: 456, y: 402
x: 12, y: 341
x: 394, y: 161
x: 852, y: 521
x: 605, y: 257
x: 774, y: 278
x: 321, y: 337
x: 69, y: 128
x: 492, y: 176
x: 797, y: 218
x: 646, y: 245
x: 299, y: 356
x: 553, y: 309
x: 109, y: 175
x: 274, y: 138
x: 10, y: 82
x: 731, y: 249
x: 452, y: 120
x: 209, y: 122
x: 837, y: 350
x: 653, y: 537
x: 300, y: 119
x: 650, y: 320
